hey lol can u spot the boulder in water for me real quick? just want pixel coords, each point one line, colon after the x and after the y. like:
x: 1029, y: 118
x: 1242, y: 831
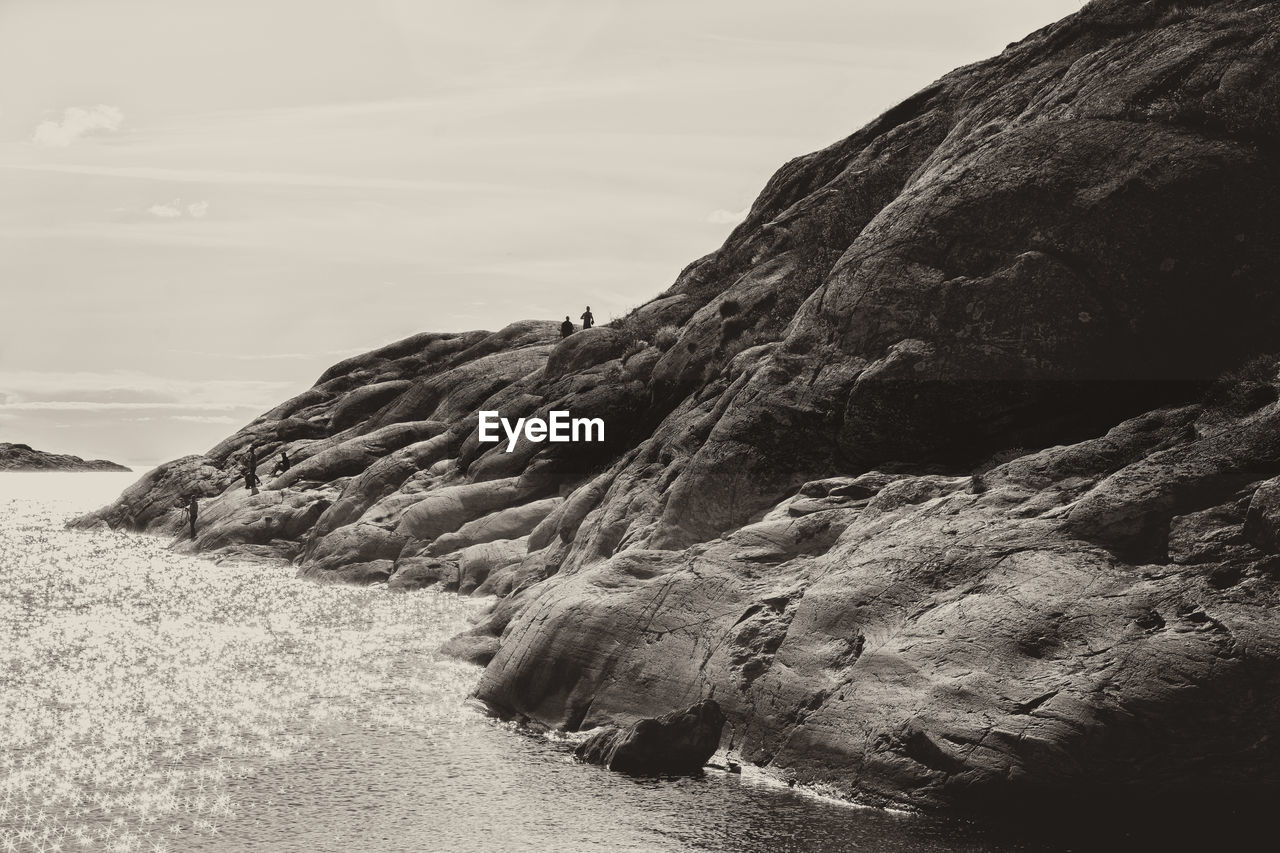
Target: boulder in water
x: 679, y: 742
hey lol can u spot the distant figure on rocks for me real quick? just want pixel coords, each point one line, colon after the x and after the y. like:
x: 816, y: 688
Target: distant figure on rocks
x: 588, y: 319
x: 566, y: 328
x: 251, y: 481
x: 282, y: 465
x: 193, y: 510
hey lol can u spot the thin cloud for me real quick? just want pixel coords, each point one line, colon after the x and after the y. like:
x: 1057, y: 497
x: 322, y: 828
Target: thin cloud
x: 207, y: 419
x: 89, y: 395
x: 282, y: 179
x: 176, y: 210
x: 271, y: 356
x: 99, y: 406
x: 77, y: 122
x: 166, y: 211
x: 238, y: 356
x: 283, y: 356
x: 32, y: 389
x: 728, y: 217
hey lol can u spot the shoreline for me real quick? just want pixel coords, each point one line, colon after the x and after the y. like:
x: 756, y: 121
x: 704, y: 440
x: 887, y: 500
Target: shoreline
x: 1129, y: 821
x: 951, y: 476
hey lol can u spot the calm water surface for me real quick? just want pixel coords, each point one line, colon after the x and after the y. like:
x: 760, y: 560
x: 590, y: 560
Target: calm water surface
x: 153, y: 702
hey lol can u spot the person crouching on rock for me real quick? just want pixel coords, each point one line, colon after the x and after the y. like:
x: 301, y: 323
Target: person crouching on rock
x: 588, y: 319
x: 193, y: 510
x: 566, y: 328
x: 281, y: 466
x: 251, y: 481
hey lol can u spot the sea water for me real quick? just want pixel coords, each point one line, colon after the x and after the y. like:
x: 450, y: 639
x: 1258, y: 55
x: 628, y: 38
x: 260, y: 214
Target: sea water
x: 151, y: 702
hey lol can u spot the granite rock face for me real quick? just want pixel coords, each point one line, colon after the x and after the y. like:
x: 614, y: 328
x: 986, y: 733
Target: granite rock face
x: 953, y: 479
x: 21, y: 457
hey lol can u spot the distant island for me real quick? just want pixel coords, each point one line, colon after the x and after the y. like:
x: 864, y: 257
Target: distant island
x: 21, y: 457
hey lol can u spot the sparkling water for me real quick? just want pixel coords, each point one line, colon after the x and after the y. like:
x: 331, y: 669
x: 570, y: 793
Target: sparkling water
x: 151, y: 702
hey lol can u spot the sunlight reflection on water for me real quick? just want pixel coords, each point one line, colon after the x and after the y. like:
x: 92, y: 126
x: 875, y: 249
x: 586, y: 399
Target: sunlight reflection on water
x: 150, y: 702
x: 136, y: 684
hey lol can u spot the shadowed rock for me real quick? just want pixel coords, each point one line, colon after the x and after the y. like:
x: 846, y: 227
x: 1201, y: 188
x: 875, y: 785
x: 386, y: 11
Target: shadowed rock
x: 477, y: 648
x: 1262, y: 523
x: 678, y: 742
x: 584, y: 349
x: 360, y: 404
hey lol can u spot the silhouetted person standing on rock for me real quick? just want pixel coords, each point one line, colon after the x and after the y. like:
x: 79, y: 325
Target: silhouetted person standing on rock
x: 193, y: 510
x: 588, y: 319
x: 251, y: 481
x: 282, y: 465
x: 566, y: 328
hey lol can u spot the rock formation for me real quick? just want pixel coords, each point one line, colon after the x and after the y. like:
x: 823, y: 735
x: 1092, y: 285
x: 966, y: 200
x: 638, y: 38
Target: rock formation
x: 957, y: 485
x: 678, y: 742
x: 20, y: 457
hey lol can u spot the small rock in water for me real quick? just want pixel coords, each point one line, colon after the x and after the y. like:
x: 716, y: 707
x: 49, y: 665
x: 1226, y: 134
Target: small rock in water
x: 678, y: 742
x: 472, y: 648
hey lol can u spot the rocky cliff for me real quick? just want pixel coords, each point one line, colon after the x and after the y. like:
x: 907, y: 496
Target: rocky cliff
x: 953, y: 476
x: 21, y: 457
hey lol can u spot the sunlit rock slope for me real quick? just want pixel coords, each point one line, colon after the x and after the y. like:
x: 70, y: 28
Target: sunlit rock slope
x: 953, y: 476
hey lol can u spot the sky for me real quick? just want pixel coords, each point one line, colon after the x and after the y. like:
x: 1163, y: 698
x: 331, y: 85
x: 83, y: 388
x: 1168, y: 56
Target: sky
x: 203, y: 205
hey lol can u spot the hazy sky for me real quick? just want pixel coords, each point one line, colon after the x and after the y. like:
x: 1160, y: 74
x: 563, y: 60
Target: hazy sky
x: 204, y: 204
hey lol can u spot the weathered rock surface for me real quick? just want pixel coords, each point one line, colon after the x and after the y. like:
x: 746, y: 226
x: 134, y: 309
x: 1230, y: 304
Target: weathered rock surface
x: 678, y: 742
x: 954, y: 481
x: 20, y: 457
